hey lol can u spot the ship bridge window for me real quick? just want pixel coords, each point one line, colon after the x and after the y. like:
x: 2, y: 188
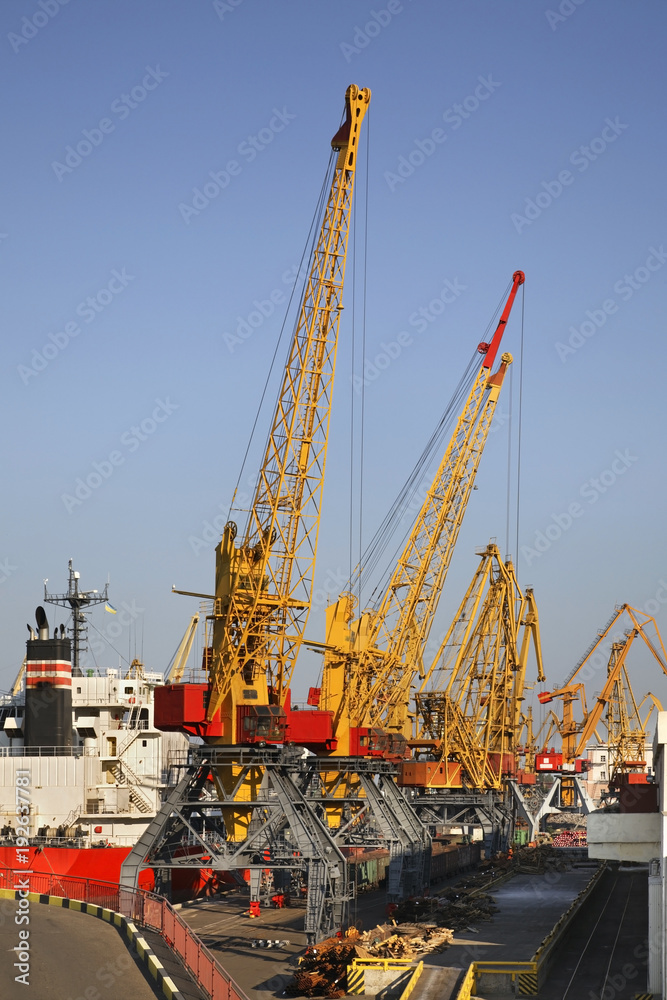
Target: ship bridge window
x: 129, y: 690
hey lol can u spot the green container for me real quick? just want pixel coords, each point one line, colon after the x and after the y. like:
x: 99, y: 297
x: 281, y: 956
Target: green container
x: 521, y: 837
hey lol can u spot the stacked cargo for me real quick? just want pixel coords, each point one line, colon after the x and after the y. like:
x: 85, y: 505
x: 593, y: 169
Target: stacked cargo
x: 570, y: 838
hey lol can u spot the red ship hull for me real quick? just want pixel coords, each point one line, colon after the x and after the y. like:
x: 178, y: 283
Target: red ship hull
x: 103, y: 864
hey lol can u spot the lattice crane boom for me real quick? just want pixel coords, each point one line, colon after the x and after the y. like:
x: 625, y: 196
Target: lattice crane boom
x: 264, y: 584
x: 264, y: 579
x: 370, y: 665
x: 577, y: 734
x: 469, y: 703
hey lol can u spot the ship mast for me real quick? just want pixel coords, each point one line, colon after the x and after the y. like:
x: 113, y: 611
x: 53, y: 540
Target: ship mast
x: 77, y: 600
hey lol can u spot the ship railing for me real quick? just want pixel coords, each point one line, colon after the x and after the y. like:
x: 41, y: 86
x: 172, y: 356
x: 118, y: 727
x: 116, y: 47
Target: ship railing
x: 49, y: 751
x: 146, y: 909
x: 77, y: 842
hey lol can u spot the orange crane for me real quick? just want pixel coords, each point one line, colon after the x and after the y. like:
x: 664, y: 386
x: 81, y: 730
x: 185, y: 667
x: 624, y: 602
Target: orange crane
x: 576, y: 733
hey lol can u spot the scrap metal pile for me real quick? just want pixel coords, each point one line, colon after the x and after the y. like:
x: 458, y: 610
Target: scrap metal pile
x: 457, y: 909
x: 322, y: 971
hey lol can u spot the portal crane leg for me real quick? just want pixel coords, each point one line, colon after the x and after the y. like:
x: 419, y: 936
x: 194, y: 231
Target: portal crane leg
x: 408, y: 839
x: 285, y: 832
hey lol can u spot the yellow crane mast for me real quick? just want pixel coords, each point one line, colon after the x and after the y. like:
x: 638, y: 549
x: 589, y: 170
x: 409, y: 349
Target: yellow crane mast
x: 177, y: 669
x: 264, y: 580
x: 370, y: 663
x: 469, y: 704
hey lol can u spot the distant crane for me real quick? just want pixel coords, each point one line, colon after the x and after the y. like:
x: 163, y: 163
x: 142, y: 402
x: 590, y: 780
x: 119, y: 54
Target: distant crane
x: 577, y: 733
x: 175, y: 673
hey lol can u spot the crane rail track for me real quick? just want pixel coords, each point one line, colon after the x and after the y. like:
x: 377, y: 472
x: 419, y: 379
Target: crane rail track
x: 605, y: 952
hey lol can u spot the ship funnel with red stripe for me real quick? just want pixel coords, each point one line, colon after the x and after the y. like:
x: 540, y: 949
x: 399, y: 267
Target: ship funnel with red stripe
x: 48, y: 688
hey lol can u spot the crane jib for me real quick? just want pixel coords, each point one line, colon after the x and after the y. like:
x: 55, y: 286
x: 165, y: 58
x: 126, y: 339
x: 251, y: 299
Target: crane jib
x: 518, y: 278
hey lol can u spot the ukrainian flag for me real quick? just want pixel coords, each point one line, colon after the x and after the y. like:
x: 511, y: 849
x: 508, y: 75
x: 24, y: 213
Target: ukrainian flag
x: 110, y: 609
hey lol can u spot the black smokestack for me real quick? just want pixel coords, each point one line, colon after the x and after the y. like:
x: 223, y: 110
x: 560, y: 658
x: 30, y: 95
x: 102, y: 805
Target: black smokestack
x: 48, y: 688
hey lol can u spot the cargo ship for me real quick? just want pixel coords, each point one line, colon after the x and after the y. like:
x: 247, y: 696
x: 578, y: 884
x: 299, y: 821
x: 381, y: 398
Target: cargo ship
x: 85, y: 739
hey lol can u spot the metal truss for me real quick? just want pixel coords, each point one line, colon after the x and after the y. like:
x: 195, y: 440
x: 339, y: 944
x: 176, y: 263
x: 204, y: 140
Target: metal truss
x: 493, y: 811
x: 287, y: 826
x: 286, y: 831
x: 377, y: 814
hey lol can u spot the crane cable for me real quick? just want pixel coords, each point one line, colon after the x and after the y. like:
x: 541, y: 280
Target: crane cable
x: 355, y: 524
x: 353, y: 408
x: 396, y: 514
x: 376, y: 548
x: 520, y: 421
x: 510, y: 435
x: 299, y: 282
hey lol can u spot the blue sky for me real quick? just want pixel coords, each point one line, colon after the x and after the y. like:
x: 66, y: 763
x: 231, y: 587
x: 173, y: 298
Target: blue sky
x: 502, y: 135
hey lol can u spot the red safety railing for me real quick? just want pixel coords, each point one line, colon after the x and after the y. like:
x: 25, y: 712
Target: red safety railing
x: 145, y: 909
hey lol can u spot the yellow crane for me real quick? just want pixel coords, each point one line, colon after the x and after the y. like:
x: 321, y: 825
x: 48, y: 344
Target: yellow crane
x: 577, y: 733
x: 264, y: 577
x: 470, y: 702
x: 370, y: 663
x: 175, y: 673
x: 626, y: 732
x: 19, y: 678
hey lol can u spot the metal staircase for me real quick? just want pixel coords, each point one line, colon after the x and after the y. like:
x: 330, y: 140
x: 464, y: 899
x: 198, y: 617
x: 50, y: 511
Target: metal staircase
x: 125, y: 776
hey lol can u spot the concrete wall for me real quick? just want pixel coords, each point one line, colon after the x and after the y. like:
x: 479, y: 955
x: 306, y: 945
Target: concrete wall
x: 624, y: 837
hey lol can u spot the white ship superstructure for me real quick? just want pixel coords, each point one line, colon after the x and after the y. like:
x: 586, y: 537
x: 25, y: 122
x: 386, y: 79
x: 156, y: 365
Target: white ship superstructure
x: 108, y: 784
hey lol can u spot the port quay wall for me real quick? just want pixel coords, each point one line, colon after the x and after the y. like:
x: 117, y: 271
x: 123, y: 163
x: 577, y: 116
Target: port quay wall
x: 126, y: 909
